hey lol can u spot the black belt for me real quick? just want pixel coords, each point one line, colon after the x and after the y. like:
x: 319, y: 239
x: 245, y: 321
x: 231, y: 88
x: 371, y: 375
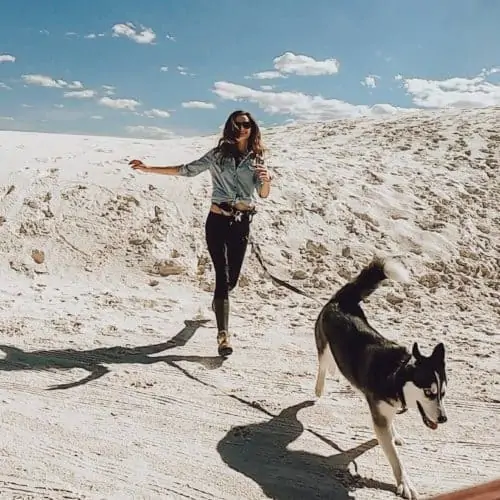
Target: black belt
x: 236, y: 215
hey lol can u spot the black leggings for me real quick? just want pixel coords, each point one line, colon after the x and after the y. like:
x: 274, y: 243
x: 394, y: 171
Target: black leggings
x: 227, y: 241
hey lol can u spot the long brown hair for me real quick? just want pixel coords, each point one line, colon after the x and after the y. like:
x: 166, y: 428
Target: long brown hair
x: 227, y: 142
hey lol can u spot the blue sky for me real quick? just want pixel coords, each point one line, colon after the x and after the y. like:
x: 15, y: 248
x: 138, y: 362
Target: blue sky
x: 162, y: 67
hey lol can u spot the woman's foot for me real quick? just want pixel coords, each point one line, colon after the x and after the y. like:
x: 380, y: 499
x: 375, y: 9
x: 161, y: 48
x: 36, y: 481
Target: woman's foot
x: 224, y: 348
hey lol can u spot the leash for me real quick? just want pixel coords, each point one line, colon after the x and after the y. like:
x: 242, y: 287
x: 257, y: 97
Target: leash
x: 274, y: 279
x: 236, y: 216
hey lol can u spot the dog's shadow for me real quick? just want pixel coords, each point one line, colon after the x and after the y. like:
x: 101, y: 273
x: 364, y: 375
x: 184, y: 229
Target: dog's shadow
x: 260, y: 452
x: 94, y: 360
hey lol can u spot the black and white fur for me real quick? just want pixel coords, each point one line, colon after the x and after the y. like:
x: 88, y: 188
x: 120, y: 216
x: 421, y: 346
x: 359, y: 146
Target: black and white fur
x: 390, y: 377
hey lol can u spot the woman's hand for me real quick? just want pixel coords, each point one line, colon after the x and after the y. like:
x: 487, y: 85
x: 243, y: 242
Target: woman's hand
x: 265, y: 177
x: 138, y: 165
x: 262, y: 173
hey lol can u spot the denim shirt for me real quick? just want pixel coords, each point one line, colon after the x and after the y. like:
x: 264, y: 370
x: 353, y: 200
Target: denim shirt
x: 230, y: 183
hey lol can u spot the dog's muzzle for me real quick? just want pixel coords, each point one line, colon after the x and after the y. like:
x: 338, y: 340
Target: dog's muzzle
x: 427, y: 421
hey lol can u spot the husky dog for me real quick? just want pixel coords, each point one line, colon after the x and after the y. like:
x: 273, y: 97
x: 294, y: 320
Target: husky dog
x: 390, y: 377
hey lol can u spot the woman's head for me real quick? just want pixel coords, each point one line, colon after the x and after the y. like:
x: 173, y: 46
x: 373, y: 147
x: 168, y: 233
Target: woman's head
x: 241, y: 126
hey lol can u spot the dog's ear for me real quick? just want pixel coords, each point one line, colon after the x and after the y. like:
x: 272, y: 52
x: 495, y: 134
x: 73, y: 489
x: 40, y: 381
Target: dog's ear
x: 438, y: 353
x: 416, y: 352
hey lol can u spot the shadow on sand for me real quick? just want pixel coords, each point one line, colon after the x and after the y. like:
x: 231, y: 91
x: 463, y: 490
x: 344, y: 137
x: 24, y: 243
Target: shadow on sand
x: 94, y: 360
x: 260, y: 452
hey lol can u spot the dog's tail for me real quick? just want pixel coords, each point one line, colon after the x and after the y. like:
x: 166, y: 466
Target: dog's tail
x: 369, y: 279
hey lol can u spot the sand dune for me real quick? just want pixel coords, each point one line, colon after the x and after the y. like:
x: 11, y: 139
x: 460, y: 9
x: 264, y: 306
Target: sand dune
x: 106, y: 286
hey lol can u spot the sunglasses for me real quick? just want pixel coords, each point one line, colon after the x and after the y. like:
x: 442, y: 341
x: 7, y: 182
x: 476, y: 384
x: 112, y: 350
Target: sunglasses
x: 243, y: 124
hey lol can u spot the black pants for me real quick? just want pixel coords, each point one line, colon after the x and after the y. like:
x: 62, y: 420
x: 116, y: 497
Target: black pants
x: 227, y: 241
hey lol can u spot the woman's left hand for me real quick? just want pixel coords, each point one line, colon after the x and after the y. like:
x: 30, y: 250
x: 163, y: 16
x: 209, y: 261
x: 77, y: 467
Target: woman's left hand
x: 262, y: 173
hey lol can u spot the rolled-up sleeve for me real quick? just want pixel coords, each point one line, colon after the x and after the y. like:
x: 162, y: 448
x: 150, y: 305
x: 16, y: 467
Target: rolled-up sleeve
x: 198, y: 166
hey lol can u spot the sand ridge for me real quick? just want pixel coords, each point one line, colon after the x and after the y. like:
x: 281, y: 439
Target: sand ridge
x: 106, y: 284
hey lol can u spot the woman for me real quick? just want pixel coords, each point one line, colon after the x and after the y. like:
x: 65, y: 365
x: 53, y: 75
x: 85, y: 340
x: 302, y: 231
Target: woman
x: 237, y: 171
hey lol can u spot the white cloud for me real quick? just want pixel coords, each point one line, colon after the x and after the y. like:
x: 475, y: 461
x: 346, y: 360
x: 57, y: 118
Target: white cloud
x: 198, y: 105
x: 43, y: 81
x: 151, y: 132
x: 60, y: 106
x: 170, y: 37
x: 71, y: 33
x: 297, y: 104
x: 7, y: 118
x: 76, y: 85
x: 290, y: 63
x: 146, y: 36
x: 454, y: 92
x: 129, y: 104
x: 267, y: 87
x: 489, y: 71
x: 164, y: 69
x: 266, y: 75
x: 7, y: 58
x: 96, y: 117
x: 109, y: 89
x: 156, y: 113
x: 370, y: 81
x: 398, y: 77
x: 80, y: 94
x: 48, y: 81
x: 5, y: 86
x: 297, y: 64
x: 184, y: 71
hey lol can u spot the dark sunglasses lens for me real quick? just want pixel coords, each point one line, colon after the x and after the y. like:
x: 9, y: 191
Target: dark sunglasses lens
x: 243, y: 124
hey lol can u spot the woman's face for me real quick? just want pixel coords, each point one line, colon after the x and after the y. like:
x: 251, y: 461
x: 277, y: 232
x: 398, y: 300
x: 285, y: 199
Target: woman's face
x: 244, y: 125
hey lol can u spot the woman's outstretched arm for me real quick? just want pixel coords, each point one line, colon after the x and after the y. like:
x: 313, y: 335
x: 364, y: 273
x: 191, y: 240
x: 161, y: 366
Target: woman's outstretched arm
x: 138, y: 165
x: 190, y: 169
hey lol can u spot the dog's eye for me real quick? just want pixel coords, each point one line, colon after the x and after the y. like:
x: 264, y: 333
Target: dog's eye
x: 429, y: 394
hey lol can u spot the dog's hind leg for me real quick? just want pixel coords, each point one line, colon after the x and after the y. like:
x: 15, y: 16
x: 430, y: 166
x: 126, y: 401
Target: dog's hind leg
x: 382, y: 415
x: 326, y: 363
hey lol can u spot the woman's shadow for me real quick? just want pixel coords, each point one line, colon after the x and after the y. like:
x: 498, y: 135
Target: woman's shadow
x: 260, y: 452
x: 94, y: 360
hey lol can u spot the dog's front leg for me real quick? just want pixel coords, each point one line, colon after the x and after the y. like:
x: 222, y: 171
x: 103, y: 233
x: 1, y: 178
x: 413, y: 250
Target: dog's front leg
x: 382, y: 423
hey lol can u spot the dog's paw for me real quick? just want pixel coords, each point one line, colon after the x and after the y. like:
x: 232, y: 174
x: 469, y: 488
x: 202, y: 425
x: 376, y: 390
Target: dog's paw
x: 406, y: 490
x: 319, y: 388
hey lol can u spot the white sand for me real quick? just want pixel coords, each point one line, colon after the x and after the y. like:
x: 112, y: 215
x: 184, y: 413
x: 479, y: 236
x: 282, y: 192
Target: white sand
x: 160, y: 423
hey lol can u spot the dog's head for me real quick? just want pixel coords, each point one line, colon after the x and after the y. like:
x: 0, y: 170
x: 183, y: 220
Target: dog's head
x: 426, y: 387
